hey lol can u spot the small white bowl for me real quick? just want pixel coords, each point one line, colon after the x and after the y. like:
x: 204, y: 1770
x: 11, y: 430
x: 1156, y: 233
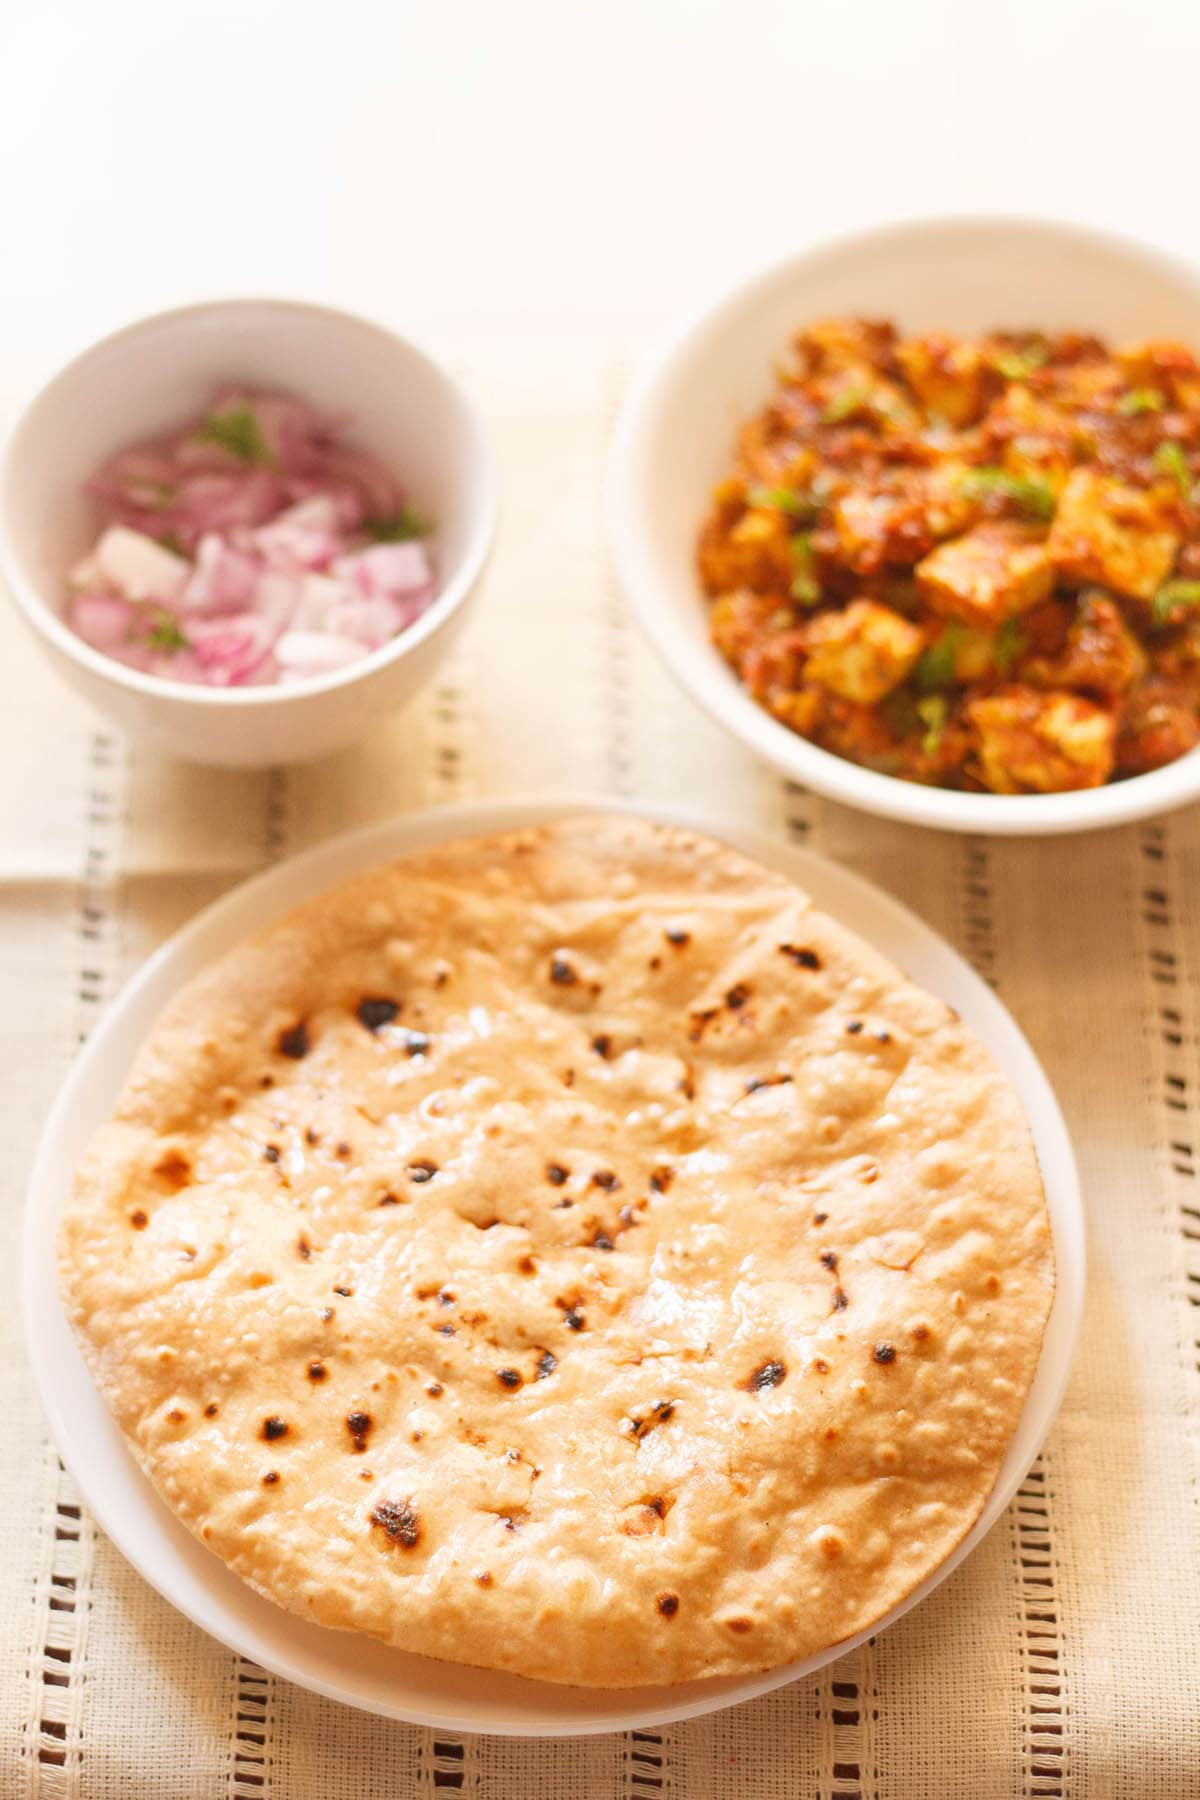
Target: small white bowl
x: 162, y: 371
x: 676, y: 438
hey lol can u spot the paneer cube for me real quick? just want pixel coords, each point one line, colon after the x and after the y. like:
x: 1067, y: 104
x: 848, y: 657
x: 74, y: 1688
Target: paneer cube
x: 754, y: 552
x: 843, y: 343
x: 1118, y: 536
x: 1101, y: 656
x: 946, y: 376
x: 738, y: 620
x: 863, y: 652
x: 1042, y: 743
x: 1155, y: 362
x: 987, y: 575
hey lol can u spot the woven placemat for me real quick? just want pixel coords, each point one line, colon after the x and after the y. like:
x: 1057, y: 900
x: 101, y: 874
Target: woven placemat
x: 1060, y: 1660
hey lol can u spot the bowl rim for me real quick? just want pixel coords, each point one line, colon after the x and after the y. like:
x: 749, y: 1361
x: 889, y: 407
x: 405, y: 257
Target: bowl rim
x: 697, y: 668
x: 40, y: 614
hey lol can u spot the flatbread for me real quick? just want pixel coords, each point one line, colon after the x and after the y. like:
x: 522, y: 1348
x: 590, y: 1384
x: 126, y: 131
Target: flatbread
x: 566, y: 1252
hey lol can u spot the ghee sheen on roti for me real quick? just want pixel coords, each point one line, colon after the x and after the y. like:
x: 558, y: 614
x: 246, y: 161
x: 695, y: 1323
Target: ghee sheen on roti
x: 566, y: 1252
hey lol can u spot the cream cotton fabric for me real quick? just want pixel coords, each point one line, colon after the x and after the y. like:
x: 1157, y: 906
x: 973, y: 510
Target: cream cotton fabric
x: 1060, y: 1660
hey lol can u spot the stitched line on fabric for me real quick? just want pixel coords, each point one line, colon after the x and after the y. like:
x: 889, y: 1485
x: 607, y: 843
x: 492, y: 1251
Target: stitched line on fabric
x: 446, y: 1764
x: 1172, y: 1043
x: 55, y: 1745
x: 447, y: 771
x: 847, y: 1709
x: 617, y: 652
x: 1030, y: 1521
x: 645, y: 1760
x: 275, y: 814
x: 797, y: 813
x: 252, y: 1728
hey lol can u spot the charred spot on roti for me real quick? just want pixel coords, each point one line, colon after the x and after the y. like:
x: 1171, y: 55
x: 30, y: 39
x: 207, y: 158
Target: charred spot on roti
x: 829, y: 1260
x: 374, y: 1011
x: 174, y: 1170
x: 270, y: 1478
x: 737, y: 996
x: 840, y: 1299
x: 547, y: 1362
x: 661, y: 1178
x: 399, y: 1521
x: 509, y: 1378
x: 766, y: 1081
x: 667, y: 1604
x: 303, y: 1248
x: 563, y: 972
x: 317, y: 1371
x: 854, y: 1026
x: 766, y: 1375
x: 606, y: 1179
x: 211, y: 1410
x: 640, y: 1426
x: 358, y: 1424
x: 556, y: 1175
x: 602, y: 1045
x: 273, y: 1427
x: 294, y: 1041
x: 800, y: 955
x: 422, y: 1170
x: 271, y: 1153
x: 139, y: 1218
x: 676, y: 935
x: 417, y: 1043
x: 884, y: 1353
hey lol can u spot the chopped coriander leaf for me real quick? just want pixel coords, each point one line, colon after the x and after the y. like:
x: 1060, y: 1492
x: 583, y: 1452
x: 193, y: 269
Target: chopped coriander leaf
x: 845, y: 404
x: 1018, y: 365
x: 238, y: 432
x: 899, y: 708
x: 931, y: 710
x: 1030, y: 496
x: 407, y: 523
x: 1142, y: 400
x: 794, y: 501
x: 1010, y: 643
x: 1169, y: 459
x: 166, y: 634
x: 1173, y: 594
x: 935, y: 668
x: 805, y: 588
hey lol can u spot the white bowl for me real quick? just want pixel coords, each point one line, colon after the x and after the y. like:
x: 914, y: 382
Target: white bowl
x: 343, y: 1664
x: 162, y: 371
x: 677, y: 431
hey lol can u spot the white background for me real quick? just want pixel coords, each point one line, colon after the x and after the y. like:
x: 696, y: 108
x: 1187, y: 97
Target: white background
x: 475, y: 169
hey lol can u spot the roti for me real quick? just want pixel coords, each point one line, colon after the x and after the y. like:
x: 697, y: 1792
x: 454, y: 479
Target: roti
x: 566, y: 1252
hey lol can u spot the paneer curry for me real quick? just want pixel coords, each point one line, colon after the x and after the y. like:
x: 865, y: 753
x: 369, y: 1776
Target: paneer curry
x: 972, y: 562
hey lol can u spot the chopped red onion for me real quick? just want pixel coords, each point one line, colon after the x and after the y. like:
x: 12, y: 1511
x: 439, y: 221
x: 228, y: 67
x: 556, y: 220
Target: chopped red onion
x: 251, y: 547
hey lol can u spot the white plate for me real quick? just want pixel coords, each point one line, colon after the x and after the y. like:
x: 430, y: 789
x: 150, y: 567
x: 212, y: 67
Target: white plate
x: 356, y: 1669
